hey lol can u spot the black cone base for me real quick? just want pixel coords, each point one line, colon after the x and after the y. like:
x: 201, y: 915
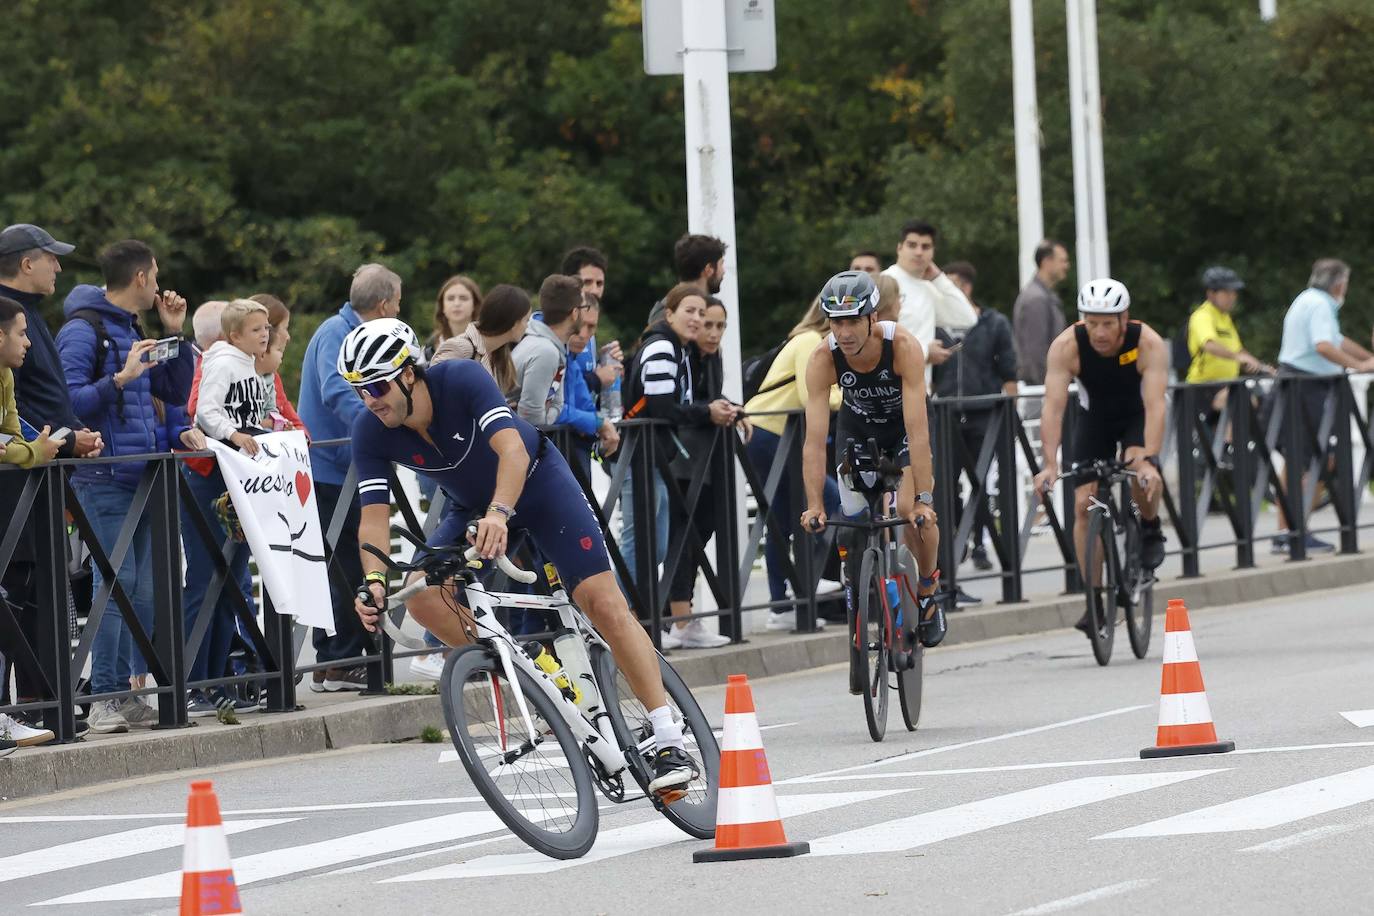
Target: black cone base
x: 1188, y: 750
x: 784, y: 851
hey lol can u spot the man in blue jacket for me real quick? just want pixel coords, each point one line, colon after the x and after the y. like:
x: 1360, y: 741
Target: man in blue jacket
x: 328, y: 405
x: 112, y: 383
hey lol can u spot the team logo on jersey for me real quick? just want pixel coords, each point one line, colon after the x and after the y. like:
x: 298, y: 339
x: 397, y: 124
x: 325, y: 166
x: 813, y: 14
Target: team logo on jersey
x: 884, y: 376
x: 1130, y: 356
x: 848, y: 379
x: 418, y: 459
x: 586, y: 543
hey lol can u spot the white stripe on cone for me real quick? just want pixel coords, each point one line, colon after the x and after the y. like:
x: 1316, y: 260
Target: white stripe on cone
x: 206, y: 850
x: 749, y: 805
x: 1179, y: 647
x: 1184, y: 709
x: 741, y: 732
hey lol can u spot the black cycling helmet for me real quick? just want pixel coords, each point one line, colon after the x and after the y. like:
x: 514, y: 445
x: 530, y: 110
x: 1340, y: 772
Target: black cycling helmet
x: 1221, y: 278
x: 849, y: 294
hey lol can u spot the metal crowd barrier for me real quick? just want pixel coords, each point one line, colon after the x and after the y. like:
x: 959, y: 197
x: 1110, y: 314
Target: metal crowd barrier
x: 1220, y: 452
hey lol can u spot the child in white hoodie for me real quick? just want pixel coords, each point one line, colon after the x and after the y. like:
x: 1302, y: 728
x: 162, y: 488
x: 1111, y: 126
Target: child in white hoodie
x: 232, y: 404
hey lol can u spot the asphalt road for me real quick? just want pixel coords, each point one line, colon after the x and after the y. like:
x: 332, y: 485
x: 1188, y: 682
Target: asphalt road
x: 1021, y: 792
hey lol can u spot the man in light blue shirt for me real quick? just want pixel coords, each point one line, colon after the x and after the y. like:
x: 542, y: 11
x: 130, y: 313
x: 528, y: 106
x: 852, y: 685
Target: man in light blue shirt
x: 1313, y: 345
x: 328, y: 405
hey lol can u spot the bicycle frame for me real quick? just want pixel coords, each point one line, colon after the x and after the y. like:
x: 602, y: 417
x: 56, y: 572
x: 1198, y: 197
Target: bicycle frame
x: 595, y: 735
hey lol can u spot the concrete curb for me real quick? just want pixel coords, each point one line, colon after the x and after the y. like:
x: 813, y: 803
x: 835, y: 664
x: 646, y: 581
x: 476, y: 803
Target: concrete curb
x: 371, y: 720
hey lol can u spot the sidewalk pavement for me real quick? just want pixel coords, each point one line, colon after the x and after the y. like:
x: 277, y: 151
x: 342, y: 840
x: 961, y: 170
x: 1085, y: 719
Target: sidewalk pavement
x: 339, y: 720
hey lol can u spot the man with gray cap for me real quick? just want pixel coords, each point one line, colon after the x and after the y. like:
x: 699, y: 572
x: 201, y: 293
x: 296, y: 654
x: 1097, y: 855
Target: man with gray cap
x: 28, y: 273
x: 1213, y: 341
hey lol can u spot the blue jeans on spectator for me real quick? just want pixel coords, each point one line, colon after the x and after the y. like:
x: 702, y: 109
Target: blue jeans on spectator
x: 627, y: 531
x: 761, y: 449
x: 113, y: 652
x: 213, y: 654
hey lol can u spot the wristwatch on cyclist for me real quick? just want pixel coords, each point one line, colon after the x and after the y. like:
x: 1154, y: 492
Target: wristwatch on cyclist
x: 925, y: 496
x: 1154, y: 459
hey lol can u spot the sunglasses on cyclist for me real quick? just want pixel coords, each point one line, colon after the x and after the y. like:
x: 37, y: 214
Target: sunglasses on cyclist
x: 375, y: 389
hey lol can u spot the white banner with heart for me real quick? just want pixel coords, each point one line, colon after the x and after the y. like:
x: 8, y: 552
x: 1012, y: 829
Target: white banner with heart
x: 274, y: 496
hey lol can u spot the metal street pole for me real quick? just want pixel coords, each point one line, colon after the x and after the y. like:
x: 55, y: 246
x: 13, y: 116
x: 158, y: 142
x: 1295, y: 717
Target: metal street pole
x: 711, y: 186
x: 1085, y: 112
x: 710, y: 169
x: 1030, y: 214
x: 1269, y: 10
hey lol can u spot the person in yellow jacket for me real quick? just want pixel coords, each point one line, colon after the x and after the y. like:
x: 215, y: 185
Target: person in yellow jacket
x: 784, y: 389
x: 14, y: 344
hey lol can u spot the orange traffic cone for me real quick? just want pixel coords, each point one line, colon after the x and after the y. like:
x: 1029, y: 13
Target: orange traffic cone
x: 1185, y: 719
x: 207, y: 875
x: 747, y: 821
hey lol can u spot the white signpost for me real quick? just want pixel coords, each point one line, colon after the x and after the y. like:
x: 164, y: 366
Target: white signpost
x: 705, y: 40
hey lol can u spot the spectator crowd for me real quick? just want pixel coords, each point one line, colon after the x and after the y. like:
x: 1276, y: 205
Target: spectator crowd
x: 133, y: 371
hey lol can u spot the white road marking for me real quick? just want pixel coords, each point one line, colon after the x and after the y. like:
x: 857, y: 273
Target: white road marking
x: 963, y: 744
x: 999, y: 811
x: 278, y: 863
x: 1360, y: 718
x: 1077, y: 900
x: 1059, y: 764
x: 111, y: 846
x: 623, y: 841
x: 1267, y: 809
x: 1306, y: 836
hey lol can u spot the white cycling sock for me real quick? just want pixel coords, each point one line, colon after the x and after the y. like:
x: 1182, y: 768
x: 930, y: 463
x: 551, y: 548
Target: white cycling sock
x: 667, y: 730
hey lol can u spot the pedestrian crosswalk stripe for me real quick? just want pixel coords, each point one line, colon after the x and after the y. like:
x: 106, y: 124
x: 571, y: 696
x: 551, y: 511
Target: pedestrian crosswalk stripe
x: 623, y: 841
x: 111, y: 846
x: 999, y: 811
x: 1267, y: 809
x: 278, y: 863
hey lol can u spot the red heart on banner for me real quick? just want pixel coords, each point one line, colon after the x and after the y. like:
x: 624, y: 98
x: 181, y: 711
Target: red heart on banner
x: 302, y: 486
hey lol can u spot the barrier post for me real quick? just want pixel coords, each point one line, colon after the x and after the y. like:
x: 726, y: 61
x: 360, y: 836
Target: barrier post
x: 51, y: 593
x: 727, y: 530
x: 947, y: 472
x: 1293, y: 432
x: 1243, y: 454
x: 1344, y: 497
x: 1185, y: 429
x: 1073, y: 580
x: 169, y: 622
x: 1008, y: 505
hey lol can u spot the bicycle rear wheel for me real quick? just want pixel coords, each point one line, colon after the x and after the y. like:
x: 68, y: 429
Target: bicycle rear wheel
x: 1140, y: 607
x: 696, y: 813
x: 873, y: 635
x: 541, y: 788
x: 1101, y: 585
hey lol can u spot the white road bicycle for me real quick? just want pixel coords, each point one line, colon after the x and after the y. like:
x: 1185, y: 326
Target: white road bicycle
x: 535, y: 743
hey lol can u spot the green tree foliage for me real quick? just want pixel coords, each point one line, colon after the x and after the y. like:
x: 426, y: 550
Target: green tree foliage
x: 276, y: 144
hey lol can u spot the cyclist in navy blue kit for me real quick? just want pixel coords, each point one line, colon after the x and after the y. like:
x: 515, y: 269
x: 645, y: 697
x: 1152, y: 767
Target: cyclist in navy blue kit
x: 450, y: 423
x: 880, y: 369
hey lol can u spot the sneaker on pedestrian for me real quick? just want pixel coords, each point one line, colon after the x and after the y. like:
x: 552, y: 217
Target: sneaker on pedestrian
x: 225, y: 700
x: 138, y: 713
x: 22, y: 734
x: 786, y: 621
x: 198, y: 705
x: 693, y: 636
x: 317, y: 681
x: 337, y: 679
x: 1315, y: 544
x: 7, y: 747
x: 980, y: 559
x: 964, y: 599
x: 106, y: 719
x: 430, y: 667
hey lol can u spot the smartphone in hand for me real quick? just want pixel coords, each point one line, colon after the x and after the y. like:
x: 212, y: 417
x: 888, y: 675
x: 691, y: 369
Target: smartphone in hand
x: 165, y: 349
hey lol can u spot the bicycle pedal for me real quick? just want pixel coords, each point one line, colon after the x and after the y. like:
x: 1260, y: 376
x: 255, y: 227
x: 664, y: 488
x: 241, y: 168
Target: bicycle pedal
x: 671, y: 796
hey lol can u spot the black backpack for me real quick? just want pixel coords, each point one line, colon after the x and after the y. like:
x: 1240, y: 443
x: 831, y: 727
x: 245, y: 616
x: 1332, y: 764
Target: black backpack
x: 755, y: 370
x: 103, y: 346
x: 1179, y: 354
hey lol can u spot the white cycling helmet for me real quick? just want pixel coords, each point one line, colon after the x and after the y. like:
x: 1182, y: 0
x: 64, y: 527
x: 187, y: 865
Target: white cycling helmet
x: 377, y: 351
x: 1103, y: 297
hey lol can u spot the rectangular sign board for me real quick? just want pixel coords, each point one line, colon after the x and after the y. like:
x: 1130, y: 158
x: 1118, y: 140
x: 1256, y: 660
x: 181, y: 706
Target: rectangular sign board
x: 750, y: 36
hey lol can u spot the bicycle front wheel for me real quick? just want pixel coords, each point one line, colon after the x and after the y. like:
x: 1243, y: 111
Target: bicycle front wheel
x: 909, y: 683
x: 695, y: 814
x: 872, y: 637
x: 539, y: 785
x: 1140, y: 607
x: 1101, y: 585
